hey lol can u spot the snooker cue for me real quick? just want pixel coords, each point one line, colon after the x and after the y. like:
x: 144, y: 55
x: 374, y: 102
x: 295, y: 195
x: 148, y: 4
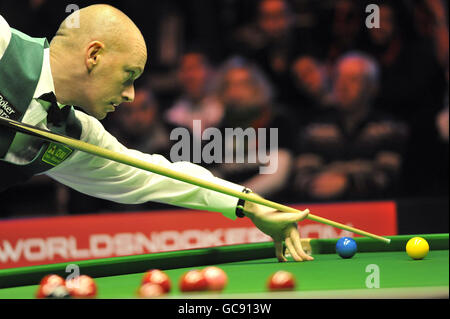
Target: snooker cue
x: 131, y: 161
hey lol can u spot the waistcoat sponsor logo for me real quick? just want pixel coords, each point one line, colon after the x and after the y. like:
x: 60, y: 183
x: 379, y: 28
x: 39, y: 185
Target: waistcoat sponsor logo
x: 6, y: 109
x: 56, y: 154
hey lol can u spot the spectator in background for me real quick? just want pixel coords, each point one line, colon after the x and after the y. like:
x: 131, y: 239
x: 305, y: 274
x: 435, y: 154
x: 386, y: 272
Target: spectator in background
x: 442, y: 120
x: 442, y: 123
x: 414, y: 59
x: 431, y: 22
x: 412, y: 81
x: 196, y: 102
x: 248, y: 100
x: 345, y: 29
x: 312, y: 82
x: 139, y: 125
x: 354, y: 151
x: 272, y: 42
x: 426, y: 166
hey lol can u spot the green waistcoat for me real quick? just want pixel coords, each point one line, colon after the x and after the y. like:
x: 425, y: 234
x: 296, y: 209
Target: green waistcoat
x: 20, y: 70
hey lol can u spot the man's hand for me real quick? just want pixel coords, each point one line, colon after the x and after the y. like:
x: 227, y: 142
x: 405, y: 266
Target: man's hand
x: 281, y: 226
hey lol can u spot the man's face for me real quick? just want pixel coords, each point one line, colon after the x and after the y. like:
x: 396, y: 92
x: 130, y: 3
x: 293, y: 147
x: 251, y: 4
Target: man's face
x: 384, y: 33
x: 193, y: 74
x: 239, y: 89
x: 111, y: 81
x: 273, y: 18
x: 351, y: 84
x: 308, y: 75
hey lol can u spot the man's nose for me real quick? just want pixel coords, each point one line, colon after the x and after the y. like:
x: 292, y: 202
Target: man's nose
x: 128, y: 94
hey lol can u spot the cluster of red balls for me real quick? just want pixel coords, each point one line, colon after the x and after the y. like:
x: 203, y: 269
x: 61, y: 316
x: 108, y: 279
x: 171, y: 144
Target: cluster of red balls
x: 156, y: 283
x: 54, y: 286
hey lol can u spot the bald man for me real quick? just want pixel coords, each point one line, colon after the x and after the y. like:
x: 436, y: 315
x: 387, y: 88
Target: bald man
x: 94, y: 66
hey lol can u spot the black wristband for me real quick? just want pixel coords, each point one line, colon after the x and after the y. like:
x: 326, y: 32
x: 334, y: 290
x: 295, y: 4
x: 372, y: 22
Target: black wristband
x: 241, y: 203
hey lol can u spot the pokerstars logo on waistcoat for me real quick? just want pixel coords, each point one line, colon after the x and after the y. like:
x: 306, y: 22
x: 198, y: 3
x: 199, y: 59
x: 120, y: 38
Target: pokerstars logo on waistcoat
x: 6, y: 109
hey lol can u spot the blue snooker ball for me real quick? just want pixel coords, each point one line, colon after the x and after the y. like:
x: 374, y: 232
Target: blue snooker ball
x: 346, y: 247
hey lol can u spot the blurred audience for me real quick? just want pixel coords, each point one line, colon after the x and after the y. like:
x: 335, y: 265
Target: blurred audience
x: 427, y: 162
x: 196, y: 101
x: 313, y: 87
x: 361, y: 112
x: 272, y: 42
x: 442, y: 123
x: 248, y: 100
x: 354, y: 151
x: 432, y: 21
x: 138, y: 124
x: 345, y: 29
x: 411, y: 77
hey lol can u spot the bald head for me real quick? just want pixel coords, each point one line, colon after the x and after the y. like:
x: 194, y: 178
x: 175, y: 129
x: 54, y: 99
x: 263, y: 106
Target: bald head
x: 96, y: 61
x: 99, y: 22
x: 356, y: 80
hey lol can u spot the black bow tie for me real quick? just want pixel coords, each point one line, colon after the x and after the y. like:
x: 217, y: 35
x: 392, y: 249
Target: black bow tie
x: 55, y: 115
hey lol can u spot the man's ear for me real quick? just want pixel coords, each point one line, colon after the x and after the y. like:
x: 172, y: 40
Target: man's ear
x: 93, y: 54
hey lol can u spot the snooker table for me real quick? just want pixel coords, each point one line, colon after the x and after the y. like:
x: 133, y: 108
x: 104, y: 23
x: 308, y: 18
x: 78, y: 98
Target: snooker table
x: 248, y: 267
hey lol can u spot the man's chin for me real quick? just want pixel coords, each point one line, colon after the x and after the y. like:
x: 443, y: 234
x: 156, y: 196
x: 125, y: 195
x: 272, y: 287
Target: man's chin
x: 99, y: 112
x: 100, y: 115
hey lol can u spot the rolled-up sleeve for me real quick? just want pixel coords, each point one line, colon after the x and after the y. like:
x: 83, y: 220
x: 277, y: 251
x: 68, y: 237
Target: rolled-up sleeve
x: 122, y: 183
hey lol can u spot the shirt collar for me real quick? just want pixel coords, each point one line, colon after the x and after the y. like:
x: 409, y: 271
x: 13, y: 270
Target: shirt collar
x: 45, y: 83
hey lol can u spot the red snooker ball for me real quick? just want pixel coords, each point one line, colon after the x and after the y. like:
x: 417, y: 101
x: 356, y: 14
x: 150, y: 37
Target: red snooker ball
x: 82, y: 287
x: 150, y: 290
x: 57, y: 292
x: 215, y: 277
x: 156, y: 276
x: 281, y: 280
x: 193, y: 280
x: 48, y: 285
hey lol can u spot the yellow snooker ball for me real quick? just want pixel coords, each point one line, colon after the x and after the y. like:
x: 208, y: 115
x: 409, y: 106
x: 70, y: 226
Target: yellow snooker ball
x: 417, y: 248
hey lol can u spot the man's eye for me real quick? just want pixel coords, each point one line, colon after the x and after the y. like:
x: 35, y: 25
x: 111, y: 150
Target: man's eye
x: 129, y: 77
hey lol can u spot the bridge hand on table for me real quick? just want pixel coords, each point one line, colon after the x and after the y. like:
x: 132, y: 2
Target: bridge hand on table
x: 281, y: 226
